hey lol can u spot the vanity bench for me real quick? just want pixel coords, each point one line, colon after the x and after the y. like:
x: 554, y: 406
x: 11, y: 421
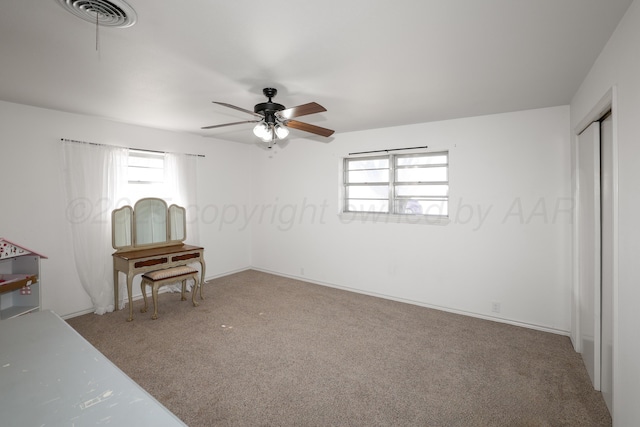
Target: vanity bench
x: 157, y: 278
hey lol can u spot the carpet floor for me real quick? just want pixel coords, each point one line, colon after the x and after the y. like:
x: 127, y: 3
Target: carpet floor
x: 265, y: 350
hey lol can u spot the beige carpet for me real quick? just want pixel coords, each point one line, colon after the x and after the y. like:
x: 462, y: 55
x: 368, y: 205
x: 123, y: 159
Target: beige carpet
x: 263, y: 350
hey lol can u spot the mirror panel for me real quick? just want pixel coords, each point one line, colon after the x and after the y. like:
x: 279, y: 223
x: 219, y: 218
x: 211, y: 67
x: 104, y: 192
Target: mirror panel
x: 177, y: 223
x: 150, y: 221
x: 122, y: 225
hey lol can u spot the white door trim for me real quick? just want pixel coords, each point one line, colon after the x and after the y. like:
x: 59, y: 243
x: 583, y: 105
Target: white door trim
x: 608, y: 102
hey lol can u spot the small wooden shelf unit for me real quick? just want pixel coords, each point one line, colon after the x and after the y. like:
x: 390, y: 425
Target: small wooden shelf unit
x: 19, y: 280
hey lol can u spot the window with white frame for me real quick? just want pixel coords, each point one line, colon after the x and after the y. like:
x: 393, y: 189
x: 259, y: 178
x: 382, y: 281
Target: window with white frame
x: 403, y: 184
x: 147, y: 175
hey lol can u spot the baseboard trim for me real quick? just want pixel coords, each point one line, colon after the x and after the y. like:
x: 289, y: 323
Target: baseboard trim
x: 160, y: 291
x: 360, y: 291
x: 228, y: 273
x: 419, y: 303
x: 77, y: 313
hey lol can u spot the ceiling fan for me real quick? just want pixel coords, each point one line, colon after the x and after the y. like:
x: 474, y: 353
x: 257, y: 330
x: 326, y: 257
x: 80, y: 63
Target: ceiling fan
x: 273, y: 119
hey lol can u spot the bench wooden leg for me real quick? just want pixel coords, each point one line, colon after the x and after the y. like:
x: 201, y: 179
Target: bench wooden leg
x: 200, y: 283
x: 154, y: 294
x: 143, y: 288
x: 196, y: 284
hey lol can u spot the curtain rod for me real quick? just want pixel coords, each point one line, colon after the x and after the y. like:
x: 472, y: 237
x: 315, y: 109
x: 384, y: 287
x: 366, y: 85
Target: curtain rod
x: 137, y: 149
x: 388, y: 150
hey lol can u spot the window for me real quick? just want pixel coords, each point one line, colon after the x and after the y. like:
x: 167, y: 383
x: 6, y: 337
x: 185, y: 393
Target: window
x: 404, y: 184
x: 146, y: 175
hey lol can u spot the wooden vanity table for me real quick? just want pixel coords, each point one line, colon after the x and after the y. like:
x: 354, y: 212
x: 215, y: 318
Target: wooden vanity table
x: 140, y: 261
x: 150, y: 237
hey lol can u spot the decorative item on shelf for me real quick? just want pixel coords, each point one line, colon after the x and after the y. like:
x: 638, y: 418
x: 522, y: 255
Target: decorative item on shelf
x: 8, y: 249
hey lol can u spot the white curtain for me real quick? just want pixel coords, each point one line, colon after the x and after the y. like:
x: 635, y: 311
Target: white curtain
x: 181, y: 171
x: 95, y: 178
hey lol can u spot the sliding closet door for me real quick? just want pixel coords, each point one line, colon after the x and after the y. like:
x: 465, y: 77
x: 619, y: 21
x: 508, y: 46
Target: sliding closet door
x: 607, y: 190
x: 589, y: 248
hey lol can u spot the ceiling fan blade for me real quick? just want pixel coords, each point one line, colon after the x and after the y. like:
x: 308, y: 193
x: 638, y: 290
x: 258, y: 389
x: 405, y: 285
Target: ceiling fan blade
x: 301, y: 110
x: 229, y: 124
x: 308, y: 128
x: 238, y: 108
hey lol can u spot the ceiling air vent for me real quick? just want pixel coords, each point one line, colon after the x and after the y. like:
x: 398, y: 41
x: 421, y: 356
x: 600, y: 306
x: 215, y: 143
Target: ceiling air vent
x: 109, y: 13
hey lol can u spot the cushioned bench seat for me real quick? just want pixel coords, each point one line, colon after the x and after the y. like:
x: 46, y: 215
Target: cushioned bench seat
x: 157, y: 278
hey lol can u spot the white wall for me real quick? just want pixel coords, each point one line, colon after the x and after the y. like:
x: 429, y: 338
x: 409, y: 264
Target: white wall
x: 508, y: 239
x: 32, y: 197
x: 509, y: 212
x: 619, y: 65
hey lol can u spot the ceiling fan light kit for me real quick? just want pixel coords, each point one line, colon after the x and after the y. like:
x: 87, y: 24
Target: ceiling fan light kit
x: 273, y: 119
x: 270, y: 133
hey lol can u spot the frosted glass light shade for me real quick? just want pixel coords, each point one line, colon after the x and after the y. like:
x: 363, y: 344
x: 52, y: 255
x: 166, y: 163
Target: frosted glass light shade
x: 281, y: 131
x: 261, y: 130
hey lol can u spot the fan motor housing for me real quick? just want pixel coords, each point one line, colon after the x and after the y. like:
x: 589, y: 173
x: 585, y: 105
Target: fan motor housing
x: 268, y: 110
x: 271, y: 107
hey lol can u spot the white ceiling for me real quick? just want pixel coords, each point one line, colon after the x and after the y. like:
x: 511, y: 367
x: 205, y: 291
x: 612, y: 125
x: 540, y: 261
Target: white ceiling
x: 372, y: 64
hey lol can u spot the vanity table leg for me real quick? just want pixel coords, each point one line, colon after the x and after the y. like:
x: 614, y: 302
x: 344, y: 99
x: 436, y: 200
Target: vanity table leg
x: 129, y: 285
x: 116, y: 305
x: 203, y: 268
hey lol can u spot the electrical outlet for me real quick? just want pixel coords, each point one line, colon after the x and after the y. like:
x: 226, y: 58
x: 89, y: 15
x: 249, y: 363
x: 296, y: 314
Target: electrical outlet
x: 302, y: 271
x: 495, y: 307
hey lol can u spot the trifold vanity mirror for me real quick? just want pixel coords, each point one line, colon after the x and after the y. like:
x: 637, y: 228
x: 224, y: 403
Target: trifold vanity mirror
x: 148, y: 224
